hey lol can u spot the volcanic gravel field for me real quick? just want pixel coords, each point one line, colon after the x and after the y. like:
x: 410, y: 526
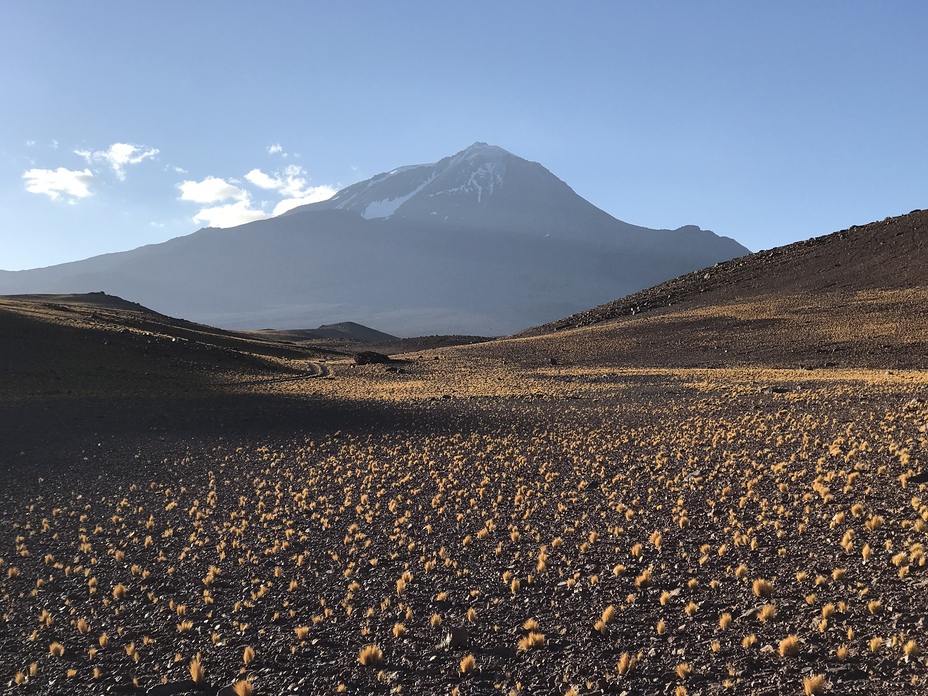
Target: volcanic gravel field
x: 716, y: 486
x: 559, y: 531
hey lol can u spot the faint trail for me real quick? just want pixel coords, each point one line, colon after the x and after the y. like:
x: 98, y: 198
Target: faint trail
x: 316, y: 370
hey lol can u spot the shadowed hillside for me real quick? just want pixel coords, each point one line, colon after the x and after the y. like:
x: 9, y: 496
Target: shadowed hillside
x: 858, y: 297
x: 100, y: 345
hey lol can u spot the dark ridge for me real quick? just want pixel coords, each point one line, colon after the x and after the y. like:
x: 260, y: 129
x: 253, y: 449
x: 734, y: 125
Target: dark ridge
x: 890, y: 254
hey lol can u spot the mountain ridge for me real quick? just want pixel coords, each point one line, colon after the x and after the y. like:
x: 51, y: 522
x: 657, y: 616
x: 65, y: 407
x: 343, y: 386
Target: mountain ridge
x: 855, y: 298
x: 459, y: 257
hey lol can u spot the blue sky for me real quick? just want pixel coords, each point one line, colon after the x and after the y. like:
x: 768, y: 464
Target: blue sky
x: 126, y: 124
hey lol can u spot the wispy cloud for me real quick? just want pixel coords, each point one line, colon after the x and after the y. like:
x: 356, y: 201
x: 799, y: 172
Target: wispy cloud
x: 119, y: 156
x: 290, y: 183
x: 212, y: 190
x: 227, y: 203
x: 275, y: 149
x: 59, y: 183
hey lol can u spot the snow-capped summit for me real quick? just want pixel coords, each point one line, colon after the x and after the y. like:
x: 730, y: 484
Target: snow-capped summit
x: 475, y: 173
x: 481, y: 187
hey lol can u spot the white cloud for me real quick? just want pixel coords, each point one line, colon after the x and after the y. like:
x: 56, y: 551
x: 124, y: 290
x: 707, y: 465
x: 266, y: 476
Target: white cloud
x: 311, y: 195
x: 56, y: 183
x: 292, y: 185
x: 275, y: 149
x: 215, y: 190
x: 262, y: 180
x: 119, y: 156
x: 229, y: 215
x: 211, y: 190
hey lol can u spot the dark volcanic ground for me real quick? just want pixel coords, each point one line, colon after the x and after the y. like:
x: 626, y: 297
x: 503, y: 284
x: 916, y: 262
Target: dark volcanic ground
x: 638, y: 506
x: 663, y: 496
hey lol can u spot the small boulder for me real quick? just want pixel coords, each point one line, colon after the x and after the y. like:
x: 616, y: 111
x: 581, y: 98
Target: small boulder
x: 456, y: 637
x: 370, y: 357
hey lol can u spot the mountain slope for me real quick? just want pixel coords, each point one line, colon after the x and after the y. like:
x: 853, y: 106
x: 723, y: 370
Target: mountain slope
x: 483, y: 242
x: 97, y: 345
x: 854, y: 298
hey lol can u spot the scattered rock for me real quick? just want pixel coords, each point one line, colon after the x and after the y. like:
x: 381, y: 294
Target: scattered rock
x: 371, y: 357
x: 455, y: 637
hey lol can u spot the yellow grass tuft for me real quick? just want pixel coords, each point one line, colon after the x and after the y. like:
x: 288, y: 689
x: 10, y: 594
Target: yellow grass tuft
x: 243, y: 688
x: 468, y: 664
x: 531, y: 641
x: 370, y: 656
x: 814, y: 685
x: 626, y: 663
x: 790, y: 646
x: 197, y: 673
x: 763, y: 588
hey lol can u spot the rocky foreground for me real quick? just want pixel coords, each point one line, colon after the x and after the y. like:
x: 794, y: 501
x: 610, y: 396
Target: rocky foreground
x: 454, y: 526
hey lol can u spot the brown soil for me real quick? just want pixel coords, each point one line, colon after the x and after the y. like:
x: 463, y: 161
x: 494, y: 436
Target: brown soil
x: 855, y: 298
x: 304, y: 507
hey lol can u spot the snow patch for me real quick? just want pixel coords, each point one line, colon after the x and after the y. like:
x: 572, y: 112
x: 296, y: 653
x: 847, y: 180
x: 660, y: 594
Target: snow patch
x: 386, y: 207
x: 488, y: 176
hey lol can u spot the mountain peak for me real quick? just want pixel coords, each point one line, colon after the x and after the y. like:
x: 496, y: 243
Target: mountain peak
x: 481, y: 149
x: 472, y: 176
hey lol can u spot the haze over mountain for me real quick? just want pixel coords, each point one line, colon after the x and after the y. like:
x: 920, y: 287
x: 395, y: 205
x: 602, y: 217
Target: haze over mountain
x: 483, y: 242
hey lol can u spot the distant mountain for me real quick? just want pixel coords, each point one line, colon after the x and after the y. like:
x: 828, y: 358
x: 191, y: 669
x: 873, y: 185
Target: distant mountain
x: 483, y: 242
x: 343, y: 331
